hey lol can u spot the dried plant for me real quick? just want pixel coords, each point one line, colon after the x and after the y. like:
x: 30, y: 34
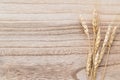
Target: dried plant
x: 100, y: 53
x: 104, y: 46
x: 109, y: 47
x: 85, y: 27
x: 89, y: 59
x: 96, y: 40
x: 95, y: 31
x: 96, y: 53
x: 95, y: 22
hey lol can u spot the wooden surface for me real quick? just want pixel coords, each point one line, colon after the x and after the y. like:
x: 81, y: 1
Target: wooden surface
x: 42, y: 39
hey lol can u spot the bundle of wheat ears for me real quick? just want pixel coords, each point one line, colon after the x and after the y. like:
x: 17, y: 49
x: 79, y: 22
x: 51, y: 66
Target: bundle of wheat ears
x: 97, y: 51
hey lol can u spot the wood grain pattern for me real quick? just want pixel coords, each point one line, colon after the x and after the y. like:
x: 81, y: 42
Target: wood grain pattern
x: 42, y: 39
x: 57, y: 67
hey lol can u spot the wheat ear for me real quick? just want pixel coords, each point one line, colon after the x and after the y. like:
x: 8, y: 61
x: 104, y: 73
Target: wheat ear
x: 108, y: 52
x: 96, y: 41
x: 95, y: 25
x: 95, y: 21
x: 89, y: 58
x: 85, y: 27
x: 97, y: 46
x: 96, y: 31
x: 107, y: 37
x: 100, y: 53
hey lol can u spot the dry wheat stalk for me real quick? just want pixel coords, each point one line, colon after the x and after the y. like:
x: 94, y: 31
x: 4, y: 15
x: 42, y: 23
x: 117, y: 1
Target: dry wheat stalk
x: 100, y: 53
x: 109, y: 47
x: 89, y: 59
x: 96, y: 53
x: 95, y: 22
x: 85, y: 27
x: 96, y: 41
x: 95, y: 67
x: 107, y: 37
x: 95, y: 26
x: 96, y: 31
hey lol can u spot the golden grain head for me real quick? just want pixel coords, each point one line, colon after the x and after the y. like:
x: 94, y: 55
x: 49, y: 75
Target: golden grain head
x: 96, y: 54
x: 89, y: 59
x: 104, y: 46
x: 108, y: 52
x: 84, y: 25
x: 95, y: 21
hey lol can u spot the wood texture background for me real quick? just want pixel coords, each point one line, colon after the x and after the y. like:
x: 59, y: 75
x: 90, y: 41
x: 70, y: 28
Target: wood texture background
x: 42, y: 39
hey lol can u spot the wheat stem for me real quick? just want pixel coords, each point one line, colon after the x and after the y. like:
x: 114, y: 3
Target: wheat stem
x: 100, y: 53
x: 107, y: 37
x: 108, y: 52
x: 96, y: 40
x: 95, y: 30
x: 89, y: 59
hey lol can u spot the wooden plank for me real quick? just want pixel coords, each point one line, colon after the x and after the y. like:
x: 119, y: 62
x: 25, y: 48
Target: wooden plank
x: 51, y: 8
x: 49, y: 17
x: 113, y: 73
x: 46, y: 40
x: 60, y: 67
x: 61, y: 1
x: 43, y: 40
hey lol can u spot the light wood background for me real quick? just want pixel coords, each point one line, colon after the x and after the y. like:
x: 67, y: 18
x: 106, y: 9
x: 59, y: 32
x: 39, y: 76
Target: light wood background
x: 42, y: 39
